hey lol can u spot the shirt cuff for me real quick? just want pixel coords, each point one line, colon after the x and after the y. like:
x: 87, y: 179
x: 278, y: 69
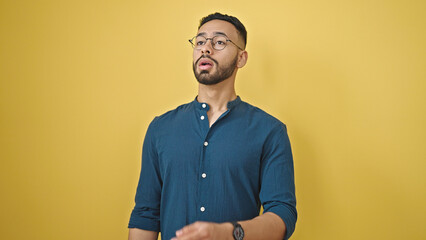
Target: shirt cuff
x: 144, y: 222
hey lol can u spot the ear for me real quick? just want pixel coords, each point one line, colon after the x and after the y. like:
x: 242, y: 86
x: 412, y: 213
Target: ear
x: 242, y: 59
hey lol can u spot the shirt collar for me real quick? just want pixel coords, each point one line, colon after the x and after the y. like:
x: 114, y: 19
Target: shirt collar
x: 205, y: 106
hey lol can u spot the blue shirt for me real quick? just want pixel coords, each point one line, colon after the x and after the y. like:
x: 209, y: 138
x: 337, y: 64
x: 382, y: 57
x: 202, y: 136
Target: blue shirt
x: 193, y: 172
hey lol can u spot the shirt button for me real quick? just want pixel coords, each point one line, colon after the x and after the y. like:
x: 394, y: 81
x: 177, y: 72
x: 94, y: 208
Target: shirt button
x: 206, y: 143
x: 203, y: 209
x: 202, y: 117
x: 204, y: 105
x: 203, y: 175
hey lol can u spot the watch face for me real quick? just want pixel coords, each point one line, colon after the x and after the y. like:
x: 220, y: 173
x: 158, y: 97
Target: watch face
x: 238, y: 233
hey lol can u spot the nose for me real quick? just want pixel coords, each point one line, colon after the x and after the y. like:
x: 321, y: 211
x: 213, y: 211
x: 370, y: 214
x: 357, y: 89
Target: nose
x: 207, y: 48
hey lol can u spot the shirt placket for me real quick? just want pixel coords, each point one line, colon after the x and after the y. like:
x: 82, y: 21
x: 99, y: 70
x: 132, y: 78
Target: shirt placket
x: 203, y: 173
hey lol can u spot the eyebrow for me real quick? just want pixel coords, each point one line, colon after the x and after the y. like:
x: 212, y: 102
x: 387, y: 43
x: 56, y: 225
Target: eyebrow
x: 214, y: 33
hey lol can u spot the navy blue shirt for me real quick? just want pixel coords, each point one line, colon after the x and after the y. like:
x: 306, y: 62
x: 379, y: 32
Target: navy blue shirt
x: 193, y: 172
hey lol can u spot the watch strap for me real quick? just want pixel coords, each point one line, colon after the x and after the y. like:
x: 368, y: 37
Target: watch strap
x: 238, y: 232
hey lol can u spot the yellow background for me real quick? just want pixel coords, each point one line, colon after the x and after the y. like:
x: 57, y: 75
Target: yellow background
x: 81, y: 80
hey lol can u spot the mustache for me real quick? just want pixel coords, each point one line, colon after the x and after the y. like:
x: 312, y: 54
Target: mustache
x: 206, y: 56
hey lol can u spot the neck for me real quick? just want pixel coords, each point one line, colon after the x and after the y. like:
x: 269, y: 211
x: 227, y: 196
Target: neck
x: 218, y: 95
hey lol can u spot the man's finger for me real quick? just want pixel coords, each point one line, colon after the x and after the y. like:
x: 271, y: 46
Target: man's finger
x: 190, y: 236
x: 188, y: 231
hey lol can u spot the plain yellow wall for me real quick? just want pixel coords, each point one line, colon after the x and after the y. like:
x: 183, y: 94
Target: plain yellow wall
x: 81, y: 80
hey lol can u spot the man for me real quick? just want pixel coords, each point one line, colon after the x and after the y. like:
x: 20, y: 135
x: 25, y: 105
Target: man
x: 209, y: 165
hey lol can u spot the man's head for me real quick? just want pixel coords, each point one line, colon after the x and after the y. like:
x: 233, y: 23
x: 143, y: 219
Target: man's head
x: 218, y: 48
x: 242, y: 32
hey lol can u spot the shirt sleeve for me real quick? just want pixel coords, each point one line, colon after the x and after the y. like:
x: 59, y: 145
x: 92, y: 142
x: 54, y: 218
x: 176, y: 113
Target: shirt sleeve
x: 277, y: 193
x: 146, y: 213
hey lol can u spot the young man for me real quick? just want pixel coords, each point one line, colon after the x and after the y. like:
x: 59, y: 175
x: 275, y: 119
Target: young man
x: 209, y: 165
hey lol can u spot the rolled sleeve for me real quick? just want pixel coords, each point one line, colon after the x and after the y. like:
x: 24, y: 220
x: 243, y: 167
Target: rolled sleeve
x: 277, y: 192
x: 146, y: 213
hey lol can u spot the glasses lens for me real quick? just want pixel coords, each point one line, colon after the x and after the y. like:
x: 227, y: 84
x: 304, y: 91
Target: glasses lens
x: 219, y: 42
x: 198, y: 42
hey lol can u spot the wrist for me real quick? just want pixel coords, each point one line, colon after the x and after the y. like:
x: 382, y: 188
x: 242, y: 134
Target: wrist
x: 227, y: 230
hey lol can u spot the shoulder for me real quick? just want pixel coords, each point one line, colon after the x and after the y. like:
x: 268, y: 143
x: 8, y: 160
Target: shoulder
x: 172, y: 115
x: 262, y: 117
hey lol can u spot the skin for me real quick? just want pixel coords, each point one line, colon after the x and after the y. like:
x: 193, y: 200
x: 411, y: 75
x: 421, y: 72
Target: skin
x: 267, y: 226
x: 218, y: 95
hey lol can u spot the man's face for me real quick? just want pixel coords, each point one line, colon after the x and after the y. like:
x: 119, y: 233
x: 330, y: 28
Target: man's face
x: 213, y: 66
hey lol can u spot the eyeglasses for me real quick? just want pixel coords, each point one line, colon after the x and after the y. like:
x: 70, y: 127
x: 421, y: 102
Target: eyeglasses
x: 218, y: 42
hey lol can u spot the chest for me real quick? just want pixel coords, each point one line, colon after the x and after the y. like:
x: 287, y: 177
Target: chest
x: 225, y: 149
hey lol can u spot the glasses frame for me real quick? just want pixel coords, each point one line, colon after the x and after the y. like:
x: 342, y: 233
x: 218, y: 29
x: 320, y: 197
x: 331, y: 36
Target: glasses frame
x: 211, y: 41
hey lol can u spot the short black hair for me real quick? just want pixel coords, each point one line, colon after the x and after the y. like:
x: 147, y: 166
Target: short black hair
x: 231, y: 19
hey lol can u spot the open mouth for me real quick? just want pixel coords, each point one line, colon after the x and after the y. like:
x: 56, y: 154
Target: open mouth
x: 205, y: 64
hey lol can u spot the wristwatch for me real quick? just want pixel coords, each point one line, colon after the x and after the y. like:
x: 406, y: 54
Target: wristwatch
x: 238, y: 231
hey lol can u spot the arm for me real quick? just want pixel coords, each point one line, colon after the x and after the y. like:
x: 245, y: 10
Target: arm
x: 145, y: 218
x: 267, y: 226
x: 139, y: 234
x: 277, y: 193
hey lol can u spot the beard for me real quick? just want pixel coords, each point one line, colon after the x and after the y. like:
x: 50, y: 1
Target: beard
x: 222, y: 72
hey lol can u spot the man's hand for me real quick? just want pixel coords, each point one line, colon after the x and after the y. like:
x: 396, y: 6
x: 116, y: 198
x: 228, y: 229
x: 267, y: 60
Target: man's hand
x: 205, y: 231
